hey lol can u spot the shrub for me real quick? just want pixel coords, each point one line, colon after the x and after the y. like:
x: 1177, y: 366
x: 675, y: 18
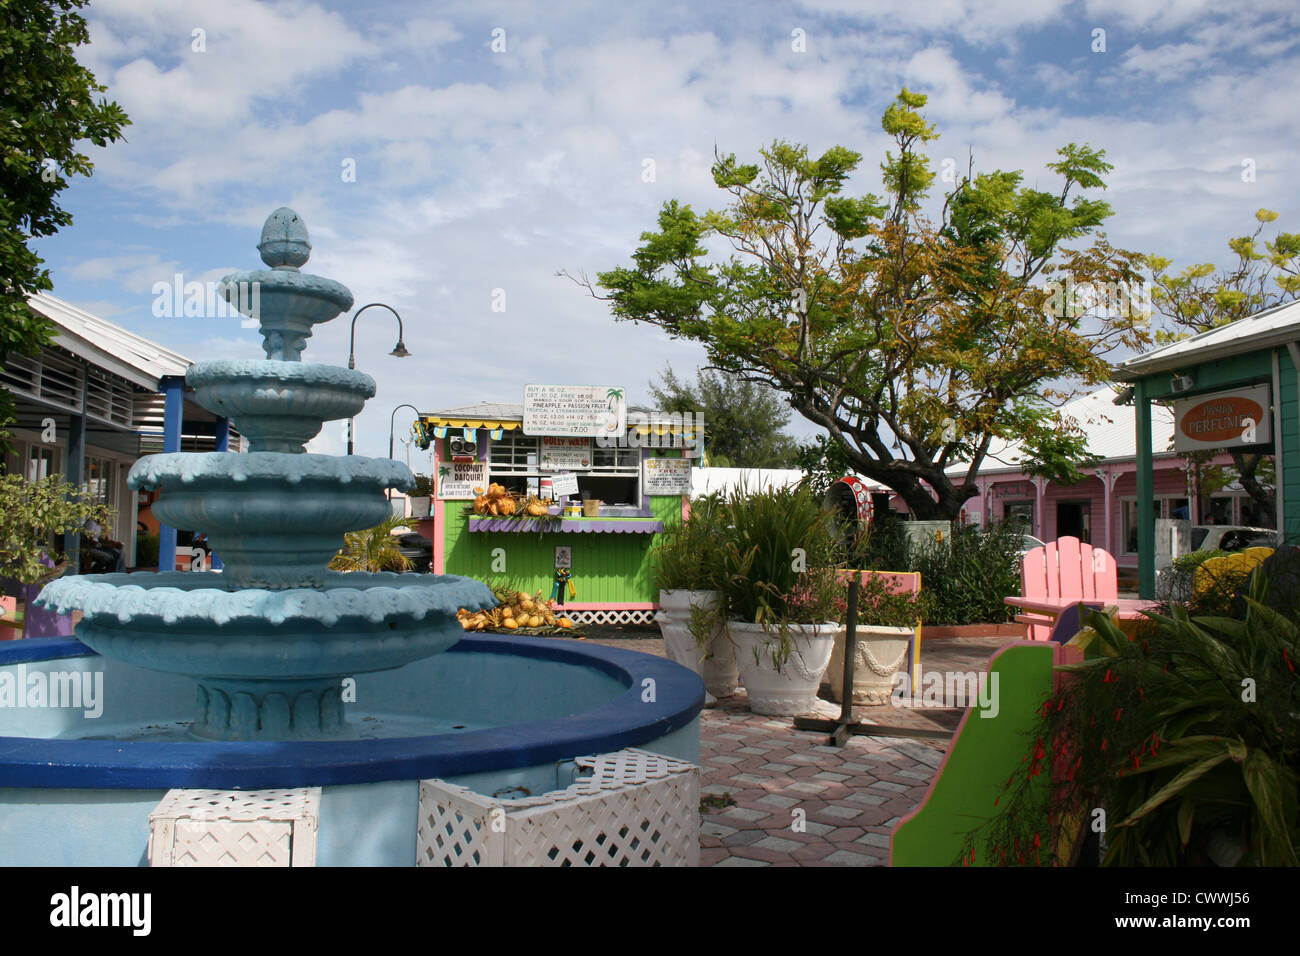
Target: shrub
x: 967, y: 576
x: 687, y: 555
x: 1185, y: 735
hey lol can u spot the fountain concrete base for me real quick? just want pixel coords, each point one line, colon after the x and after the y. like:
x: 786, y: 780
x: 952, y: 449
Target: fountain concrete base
x: 501, y: 715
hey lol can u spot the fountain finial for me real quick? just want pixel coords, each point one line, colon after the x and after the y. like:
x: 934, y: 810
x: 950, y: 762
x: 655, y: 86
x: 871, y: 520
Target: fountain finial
x: 284, y: 242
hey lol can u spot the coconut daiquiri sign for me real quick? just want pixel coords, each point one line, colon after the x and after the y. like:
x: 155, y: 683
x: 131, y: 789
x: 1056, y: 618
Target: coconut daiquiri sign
x: 1223, y: 420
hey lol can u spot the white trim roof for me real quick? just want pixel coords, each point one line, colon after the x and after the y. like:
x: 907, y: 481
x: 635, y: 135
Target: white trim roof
x: 1268, y: 329
x: 109, y: 346
x: 1111, y: 431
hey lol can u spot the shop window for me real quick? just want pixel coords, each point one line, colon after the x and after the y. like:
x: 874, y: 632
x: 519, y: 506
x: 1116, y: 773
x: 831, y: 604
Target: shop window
x: 1019, y: 513
x: 1218, y: 511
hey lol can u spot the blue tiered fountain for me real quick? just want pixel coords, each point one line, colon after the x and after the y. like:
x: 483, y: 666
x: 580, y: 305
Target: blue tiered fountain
x: 358, y: 685
x: 271, y: 639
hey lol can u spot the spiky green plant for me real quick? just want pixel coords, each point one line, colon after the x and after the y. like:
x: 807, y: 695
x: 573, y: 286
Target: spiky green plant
x: 374, y: 549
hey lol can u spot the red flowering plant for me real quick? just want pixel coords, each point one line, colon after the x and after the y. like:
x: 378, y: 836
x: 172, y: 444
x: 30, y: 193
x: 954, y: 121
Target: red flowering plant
x: 1184, y: 735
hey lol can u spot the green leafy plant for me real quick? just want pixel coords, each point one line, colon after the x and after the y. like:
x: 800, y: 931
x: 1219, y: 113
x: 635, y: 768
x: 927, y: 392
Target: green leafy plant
x: 778, y: 563
x: 967, y: 576
x: 32, y: 514
x: 1186, y: 736
x: 686, y: 555
x: 880, y: 605
x: 146, y: 550
x: 374, y: 549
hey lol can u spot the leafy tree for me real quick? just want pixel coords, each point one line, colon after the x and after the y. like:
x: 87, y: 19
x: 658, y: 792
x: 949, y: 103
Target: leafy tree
x: 914, y: 344
x: 823, y: 462
x: 47, y: 107
x: 32, y: 513
x: 1202, y: 297
x: 743, y: 420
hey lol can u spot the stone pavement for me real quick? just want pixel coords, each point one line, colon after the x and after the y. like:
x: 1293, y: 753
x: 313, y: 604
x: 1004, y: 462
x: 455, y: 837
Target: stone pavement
x: 776, y: 796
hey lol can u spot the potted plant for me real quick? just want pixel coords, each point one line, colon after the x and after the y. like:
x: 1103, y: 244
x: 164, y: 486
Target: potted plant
x: 778, y: 587
x: 685, y: 567
x: 887, y: 622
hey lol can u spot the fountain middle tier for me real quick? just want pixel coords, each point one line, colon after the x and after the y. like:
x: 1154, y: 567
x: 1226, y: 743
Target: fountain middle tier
x: 274, y: 518
x: 269, y: 664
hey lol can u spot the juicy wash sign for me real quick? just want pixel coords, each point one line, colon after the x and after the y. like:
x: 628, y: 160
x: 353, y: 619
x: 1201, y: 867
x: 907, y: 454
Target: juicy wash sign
x: 1223, y: 420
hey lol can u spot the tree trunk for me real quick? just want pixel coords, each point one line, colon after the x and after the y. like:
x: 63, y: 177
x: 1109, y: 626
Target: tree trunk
x: 1246, y: 466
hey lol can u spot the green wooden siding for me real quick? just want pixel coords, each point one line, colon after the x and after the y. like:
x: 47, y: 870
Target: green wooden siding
x: 607, y: 568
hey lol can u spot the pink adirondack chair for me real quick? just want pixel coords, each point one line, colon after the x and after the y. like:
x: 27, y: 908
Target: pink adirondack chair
x: 1069, y: 569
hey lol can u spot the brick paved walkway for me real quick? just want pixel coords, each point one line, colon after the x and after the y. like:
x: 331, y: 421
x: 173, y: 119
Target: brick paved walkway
x: 776, y: 796
x: 796, y: 802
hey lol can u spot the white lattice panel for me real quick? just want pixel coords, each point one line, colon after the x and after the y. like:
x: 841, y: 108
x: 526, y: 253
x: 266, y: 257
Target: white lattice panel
x: 632, y: 808
x: 235, y: 828
x: 646, y: 616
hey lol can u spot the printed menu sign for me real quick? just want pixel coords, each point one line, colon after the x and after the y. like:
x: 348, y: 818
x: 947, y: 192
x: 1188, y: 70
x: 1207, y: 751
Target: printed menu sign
x: 566, y: 454
x: 458, y: 479
x: 579, y: 411
x: 562, y: 485
x: 667, y: 476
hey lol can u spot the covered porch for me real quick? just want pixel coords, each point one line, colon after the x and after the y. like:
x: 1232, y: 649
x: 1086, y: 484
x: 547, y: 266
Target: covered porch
x: 1233, y: 388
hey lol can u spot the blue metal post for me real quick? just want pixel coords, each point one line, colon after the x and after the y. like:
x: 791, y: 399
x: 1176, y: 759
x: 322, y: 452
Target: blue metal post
x: 173, y: 416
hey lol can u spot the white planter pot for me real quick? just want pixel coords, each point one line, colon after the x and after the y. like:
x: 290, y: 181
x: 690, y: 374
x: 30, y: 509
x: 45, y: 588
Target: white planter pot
x: 792, y: 689
x: 880, y: 653
x: 715, y: 661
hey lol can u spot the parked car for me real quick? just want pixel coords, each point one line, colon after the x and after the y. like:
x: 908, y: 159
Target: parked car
x: 1231, y: 537
x: 1028, y: 542
x: 417, y: 549
x: 1172, y: 584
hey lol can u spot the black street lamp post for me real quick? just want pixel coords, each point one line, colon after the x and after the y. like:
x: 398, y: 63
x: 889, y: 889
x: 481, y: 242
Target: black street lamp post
x: 399, y: 351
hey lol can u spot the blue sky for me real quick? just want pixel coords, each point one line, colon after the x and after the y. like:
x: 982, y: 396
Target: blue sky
x: 479, y: 170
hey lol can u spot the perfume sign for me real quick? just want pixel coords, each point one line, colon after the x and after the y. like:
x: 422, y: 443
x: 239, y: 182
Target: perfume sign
x: 1223, y: 420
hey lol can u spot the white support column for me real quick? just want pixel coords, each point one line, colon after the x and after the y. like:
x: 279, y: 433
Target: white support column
x: 1040, y: 523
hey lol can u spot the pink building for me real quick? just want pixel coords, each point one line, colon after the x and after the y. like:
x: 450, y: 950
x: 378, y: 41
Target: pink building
x: 1102, y: 508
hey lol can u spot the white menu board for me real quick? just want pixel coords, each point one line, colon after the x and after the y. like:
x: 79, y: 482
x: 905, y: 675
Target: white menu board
x: 578, y: 411
x: 562, y: 485
x: 667, y: 476
x: 458, y: 479
x: 566, y: 454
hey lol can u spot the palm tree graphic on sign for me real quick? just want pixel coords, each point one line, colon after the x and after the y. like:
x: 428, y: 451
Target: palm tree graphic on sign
x: 613, y: 397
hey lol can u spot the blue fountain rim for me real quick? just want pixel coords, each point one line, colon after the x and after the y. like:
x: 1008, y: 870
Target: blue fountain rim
x: 625, y: 721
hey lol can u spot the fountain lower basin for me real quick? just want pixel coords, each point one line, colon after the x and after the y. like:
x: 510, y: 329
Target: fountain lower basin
x: 493, y: 713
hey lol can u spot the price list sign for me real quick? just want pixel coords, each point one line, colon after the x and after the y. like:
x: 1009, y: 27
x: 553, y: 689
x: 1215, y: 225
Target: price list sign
x: 576, y: 411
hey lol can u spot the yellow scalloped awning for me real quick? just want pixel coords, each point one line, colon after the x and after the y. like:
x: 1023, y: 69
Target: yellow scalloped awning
x: 434, y: 422
x: 662, y: 429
